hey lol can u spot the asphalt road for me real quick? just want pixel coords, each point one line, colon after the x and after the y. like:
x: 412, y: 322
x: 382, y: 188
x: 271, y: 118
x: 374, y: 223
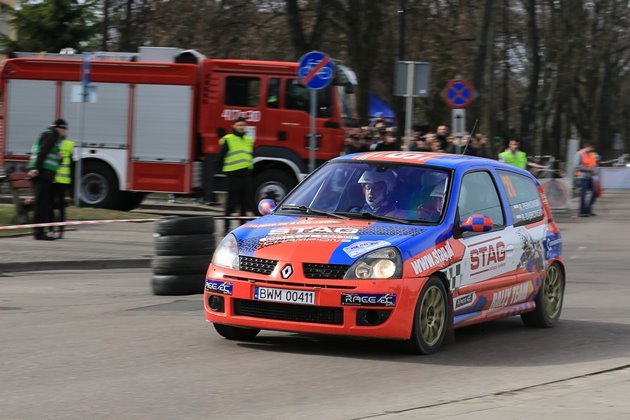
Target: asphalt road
x: 97, y: 344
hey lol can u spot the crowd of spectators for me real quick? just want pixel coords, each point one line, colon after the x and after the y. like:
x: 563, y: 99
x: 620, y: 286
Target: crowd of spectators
x: 378, y: 136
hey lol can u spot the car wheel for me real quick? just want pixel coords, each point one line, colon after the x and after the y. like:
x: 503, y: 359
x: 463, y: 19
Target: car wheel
x: 236, y: 333
x: 549, y: 300
x: 430, y: 321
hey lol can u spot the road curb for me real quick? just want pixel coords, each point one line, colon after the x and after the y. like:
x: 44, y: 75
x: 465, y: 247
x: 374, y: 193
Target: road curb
x: 100, y: 264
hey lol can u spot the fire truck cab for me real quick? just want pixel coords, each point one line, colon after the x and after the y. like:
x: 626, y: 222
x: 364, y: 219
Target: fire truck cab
x: 151, y: 121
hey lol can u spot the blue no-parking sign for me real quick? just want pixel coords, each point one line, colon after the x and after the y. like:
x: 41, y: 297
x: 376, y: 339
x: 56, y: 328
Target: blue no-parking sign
x: 315, y: 70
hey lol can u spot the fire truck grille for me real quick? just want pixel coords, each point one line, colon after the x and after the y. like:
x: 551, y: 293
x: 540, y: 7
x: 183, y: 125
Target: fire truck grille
x: 324, y: 271
x: 289, y: 312
x: 257, y: 265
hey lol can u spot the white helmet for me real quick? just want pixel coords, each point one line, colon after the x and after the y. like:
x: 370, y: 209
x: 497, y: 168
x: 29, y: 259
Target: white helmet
x: 372, y: 177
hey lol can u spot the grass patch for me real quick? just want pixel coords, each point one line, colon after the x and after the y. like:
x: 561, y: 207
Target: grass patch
x: 7, y: 211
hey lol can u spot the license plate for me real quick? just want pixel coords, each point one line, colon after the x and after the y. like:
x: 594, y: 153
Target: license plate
x: 284, y: 295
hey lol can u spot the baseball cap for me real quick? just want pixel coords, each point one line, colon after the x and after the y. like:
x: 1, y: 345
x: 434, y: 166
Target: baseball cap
x: 240, y: 119
x: 60, y: 123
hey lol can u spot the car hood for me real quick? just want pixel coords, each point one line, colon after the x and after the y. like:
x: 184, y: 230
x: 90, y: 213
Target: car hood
x: 321, y: 239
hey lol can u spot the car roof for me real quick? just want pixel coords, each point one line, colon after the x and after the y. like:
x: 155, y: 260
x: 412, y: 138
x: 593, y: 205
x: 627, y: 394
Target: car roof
x: 445, y: 160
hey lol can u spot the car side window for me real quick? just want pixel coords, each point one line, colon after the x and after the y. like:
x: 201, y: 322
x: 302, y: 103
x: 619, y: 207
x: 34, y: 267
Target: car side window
x: 478, y: 195
x: 523, y: 197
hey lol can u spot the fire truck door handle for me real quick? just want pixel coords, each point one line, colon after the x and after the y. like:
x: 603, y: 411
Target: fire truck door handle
x: 291, y: 124
x: 282, y: 135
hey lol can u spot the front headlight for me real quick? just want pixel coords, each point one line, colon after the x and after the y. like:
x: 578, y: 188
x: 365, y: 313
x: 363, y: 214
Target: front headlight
x: 226, y: 254
x: 383, y: 263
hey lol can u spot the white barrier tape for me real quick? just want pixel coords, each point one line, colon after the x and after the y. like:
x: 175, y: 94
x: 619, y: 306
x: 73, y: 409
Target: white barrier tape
x: 75, y: 223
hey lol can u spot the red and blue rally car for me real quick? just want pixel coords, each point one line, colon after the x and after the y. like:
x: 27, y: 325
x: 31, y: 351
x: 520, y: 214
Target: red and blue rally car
x: 395, y: 245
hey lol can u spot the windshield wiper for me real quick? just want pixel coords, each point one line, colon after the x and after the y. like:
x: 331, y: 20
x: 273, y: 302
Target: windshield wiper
x: 367, y: 214
x: 310, y: 210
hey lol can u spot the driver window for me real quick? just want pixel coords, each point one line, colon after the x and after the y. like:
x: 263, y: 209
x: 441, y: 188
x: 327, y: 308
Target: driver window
x: 478, y: 194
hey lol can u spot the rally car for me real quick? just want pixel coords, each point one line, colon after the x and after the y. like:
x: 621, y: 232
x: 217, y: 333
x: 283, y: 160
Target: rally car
x: 394, y: 245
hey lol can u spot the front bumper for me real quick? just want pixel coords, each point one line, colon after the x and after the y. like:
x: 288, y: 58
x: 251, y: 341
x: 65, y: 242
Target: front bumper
x: 327, y: 316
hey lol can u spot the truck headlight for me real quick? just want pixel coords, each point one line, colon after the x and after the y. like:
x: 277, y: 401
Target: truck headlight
x: 383, y: 263
x: 226, y: 254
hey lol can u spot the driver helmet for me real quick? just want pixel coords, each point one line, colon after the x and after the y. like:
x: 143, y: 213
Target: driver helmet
x: 373, y: 177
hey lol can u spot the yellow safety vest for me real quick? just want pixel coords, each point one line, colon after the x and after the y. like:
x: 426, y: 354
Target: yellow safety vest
x: 518, y: 159
x: 63, y: 175
x: 240, y: 152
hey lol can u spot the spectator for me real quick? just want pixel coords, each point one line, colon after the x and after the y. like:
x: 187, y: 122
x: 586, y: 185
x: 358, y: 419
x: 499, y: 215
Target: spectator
x: 442, y: 136
x: 586, y: 170
x: 389, y: 142
x: 43, y: 167
x: 513, y: 156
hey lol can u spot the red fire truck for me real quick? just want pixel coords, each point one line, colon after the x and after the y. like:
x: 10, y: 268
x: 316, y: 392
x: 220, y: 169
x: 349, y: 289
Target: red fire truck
x: 153, y: 119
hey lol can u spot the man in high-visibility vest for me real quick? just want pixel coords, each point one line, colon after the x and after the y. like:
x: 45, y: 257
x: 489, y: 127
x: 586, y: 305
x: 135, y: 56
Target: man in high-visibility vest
x: 513, y: 156
x: 236, y: 162
x: 42, y: 169
x: 63, y: 179
x: 585, y: 171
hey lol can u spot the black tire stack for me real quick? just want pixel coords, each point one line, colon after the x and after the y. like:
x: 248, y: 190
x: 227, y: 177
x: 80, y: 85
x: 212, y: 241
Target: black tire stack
x: 183, y: 250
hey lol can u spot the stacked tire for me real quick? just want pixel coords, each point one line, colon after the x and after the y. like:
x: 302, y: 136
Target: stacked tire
x: 183, y: 250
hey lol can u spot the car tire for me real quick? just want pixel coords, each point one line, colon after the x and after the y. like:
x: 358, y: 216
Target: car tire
x: 99, y: 186
x: 236, y: 333
x: 191, y: 264
x: 272, y: 184
x: 177, y: 285
x: 430, y: 320
x: 184, y: 245
x: 548, y: 301
x: 185, y: 225
x: 130, y: 200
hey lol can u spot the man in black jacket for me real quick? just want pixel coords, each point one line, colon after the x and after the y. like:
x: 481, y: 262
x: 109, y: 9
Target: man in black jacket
x: 43, y: 165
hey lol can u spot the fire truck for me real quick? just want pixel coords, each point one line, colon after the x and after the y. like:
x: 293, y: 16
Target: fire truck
x: 151, y: 121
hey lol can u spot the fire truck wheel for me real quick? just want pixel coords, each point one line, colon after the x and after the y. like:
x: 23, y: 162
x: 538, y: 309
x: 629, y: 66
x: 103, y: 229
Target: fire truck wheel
x: 99, y: 186
x: 175, y: 285
x: 185, y: 225
x: 273, y: 184
x: 185, y: 245
x: 130, y: 200
x: 189, y: 264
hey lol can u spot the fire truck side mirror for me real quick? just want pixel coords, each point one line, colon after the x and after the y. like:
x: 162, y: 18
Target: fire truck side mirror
x: 348, y: 88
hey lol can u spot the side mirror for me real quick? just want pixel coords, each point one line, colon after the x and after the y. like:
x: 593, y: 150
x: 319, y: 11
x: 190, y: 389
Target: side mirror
x: 266, y: 206
x: 348, y: 88
x: 477, y: 223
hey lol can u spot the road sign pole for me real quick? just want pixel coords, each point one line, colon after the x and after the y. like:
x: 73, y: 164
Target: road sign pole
x: 409, y: 108
x: 313, y: 130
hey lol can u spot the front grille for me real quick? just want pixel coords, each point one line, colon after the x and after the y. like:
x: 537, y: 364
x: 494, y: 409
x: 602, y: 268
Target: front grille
x: 289, y: 312
x: 324, y: 271
x: 257, y: 265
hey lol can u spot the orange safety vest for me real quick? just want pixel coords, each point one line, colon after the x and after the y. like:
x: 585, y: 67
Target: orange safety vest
x: 588, y: 159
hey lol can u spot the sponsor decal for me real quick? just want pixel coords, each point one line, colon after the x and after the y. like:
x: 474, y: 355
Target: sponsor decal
x: 464, y: 301
x: 222, y: 287
x: 368, y: 299
x: 318, y: 234
x: 437, y: 257
x: 303, y: 222
x: 484, y: 257
x: 359, y: 248
x: 511, y: 295
x: 552, y: 246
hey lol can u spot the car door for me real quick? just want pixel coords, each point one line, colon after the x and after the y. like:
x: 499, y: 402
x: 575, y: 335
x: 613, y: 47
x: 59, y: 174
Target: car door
x: 488, y: 266
x: 527, y: 214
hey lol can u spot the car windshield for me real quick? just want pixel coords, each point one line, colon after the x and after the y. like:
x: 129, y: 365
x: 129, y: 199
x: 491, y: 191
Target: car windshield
x: 372, y: 190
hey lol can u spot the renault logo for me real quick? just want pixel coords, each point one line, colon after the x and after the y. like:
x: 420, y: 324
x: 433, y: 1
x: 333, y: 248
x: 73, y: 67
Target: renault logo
x: 287, y: 271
